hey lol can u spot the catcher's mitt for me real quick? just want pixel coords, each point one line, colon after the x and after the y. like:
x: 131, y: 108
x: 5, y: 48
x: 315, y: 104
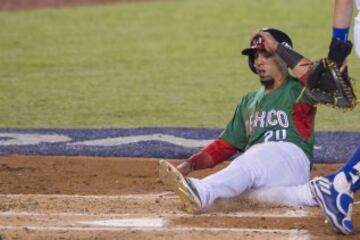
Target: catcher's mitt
x: 327, y: 84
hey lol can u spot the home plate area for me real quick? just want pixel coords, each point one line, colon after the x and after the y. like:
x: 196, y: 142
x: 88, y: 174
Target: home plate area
x: 122, y: 198
x: 64, y: 216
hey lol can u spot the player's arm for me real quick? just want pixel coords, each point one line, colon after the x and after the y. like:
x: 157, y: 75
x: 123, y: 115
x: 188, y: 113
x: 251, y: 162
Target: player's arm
x: 209, y: 156
x: 357, y: 33
x: 342, y: 18
x: 299, y: 65
x: 340, y: 47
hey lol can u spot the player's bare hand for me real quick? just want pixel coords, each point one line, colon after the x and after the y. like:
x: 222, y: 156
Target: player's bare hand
x: 185, y: 168
x: 270, y: 43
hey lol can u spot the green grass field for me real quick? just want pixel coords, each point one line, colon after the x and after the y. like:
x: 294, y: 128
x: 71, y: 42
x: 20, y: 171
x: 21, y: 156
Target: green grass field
x: 166, y: 63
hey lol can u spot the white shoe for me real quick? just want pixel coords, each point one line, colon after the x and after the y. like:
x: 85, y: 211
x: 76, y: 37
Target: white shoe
x: 182, y: 186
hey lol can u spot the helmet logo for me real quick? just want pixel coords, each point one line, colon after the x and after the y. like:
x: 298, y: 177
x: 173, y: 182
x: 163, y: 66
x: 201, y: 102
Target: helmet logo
x: 258, y: 43
x: 285, y: 44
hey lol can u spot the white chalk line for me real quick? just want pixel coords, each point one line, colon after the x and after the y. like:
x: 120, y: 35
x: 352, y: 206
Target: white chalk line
x: 286, y: 214
x: 168, y: 229
x: 149, y: 196
x: 165, y: 195
x: 128, y: 222
x: 293, y: 233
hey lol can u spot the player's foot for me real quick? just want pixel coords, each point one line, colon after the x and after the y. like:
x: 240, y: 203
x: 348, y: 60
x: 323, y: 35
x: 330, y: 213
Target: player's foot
x: 336, y: 206
x: 182, y: 186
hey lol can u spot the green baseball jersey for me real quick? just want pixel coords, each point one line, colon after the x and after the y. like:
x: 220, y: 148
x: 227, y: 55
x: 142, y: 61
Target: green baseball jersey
x: 283, y: 114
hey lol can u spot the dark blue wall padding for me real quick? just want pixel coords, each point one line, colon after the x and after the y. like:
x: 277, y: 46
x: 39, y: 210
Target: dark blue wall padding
x: 179, y: 143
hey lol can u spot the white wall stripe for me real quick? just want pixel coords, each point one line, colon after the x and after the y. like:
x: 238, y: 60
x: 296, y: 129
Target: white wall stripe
x: 117, y: 141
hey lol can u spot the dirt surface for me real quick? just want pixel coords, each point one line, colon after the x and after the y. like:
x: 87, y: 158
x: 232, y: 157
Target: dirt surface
x: 79, y: 175
x: 12, y: 5
x: 66, y: 197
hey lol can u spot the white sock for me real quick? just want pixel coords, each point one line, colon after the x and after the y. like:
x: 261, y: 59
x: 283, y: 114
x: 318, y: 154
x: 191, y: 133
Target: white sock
x: 283, y: 196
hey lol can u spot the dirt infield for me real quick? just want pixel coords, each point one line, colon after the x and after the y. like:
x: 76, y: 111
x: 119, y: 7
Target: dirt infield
x: 122, y: 198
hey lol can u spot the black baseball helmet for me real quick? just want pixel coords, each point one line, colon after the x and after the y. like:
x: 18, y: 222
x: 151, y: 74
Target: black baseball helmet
x: 257, y: 43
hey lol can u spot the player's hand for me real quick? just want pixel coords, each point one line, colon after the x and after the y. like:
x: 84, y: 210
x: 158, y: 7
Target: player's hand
x: 269, y: 41
x: 185, y: 168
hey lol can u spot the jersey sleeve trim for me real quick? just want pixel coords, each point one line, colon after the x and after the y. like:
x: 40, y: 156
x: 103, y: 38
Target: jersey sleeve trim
x: 214, y: 153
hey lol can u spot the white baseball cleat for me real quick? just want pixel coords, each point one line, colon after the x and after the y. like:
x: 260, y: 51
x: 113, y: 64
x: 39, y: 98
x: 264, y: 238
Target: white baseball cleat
x: 182, y: 186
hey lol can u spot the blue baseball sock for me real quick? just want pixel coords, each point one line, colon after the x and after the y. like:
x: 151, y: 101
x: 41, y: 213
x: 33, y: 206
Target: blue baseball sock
x: 340, y: 33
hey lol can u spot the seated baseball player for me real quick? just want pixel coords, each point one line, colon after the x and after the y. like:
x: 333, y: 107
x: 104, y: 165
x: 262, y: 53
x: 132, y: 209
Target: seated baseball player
x: 273, y: 127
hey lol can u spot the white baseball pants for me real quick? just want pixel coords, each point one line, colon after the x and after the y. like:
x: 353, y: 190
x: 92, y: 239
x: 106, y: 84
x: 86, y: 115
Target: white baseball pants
x: 276, y: 172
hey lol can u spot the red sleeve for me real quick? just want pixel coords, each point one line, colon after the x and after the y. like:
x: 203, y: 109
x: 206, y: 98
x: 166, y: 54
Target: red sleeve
x: 214, y: 153
x: 303, y: 78
x: 303, y: 116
